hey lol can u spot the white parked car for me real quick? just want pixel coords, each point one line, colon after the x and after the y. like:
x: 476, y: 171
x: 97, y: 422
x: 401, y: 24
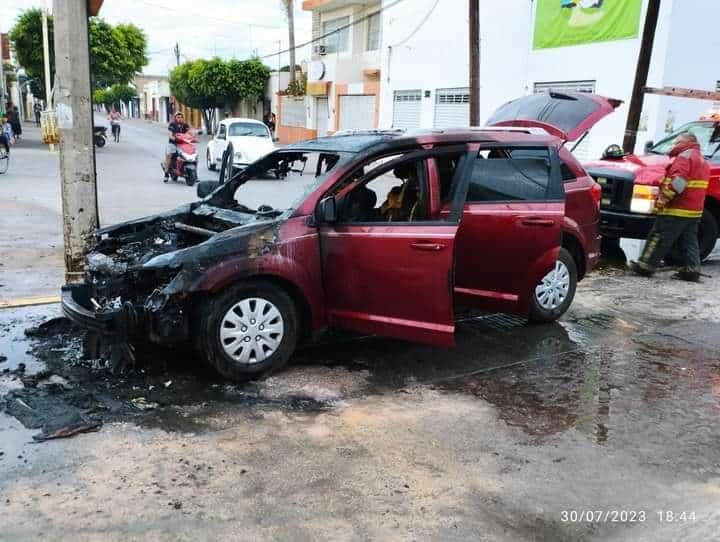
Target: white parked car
x: 250, y: 139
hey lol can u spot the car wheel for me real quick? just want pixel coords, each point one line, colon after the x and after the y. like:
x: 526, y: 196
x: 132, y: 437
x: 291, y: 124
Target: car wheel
x: 210, y: 164
x: 707, y: 237
x: 226, y: 164
x: 552, y: 297
x: 249, y: 329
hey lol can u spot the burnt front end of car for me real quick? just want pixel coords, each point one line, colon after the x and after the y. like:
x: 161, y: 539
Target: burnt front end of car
x: 142, y: 277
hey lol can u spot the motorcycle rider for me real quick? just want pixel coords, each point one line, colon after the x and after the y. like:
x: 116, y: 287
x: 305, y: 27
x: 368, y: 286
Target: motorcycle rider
x: 177, y: 126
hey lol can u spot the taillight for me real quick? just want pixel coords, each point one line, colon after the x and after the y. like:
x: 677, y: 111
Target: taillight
x: 596, y: 193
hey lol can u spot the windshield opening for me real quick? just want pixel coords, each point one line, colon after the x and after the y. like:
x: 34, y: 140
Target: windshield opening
x: 237, y: 129
x: 704, y: 132
x: 278, y: 182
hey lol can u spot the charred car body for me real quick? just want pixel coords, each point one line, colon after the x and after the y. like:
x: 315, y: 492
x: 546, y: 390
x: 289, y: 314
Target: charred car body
x: 380, y: 233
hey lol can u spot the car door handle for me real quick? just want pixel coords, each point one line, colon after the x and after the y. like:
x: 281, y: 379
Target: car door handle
x: 537, y: 221
x: 430, y: 247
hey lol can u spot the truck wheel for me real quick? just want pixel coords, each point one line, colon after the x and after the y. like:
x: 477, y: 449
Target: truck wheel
x: 249, y: 329
x: 552, y: 297
x: 707, y: 237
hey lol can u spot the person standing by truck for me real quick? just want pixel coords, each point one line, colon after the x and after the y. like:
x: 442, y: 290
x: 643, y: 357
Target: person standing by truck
x: 679, y: 209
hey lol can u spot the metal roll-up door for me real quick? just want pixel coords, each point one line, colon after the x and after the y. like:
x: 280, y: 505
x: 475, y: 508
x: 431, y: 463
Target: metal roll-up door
x: 406, y: 109
x: 452, y: 107
x: 582, y: 151
x: 357, y: 111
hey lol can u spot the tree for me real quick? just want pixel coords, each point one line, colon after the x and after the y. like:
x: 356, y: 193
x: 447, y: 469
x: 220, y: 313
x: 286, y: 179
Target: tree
x: 211, y: 84
x: 113, y: 96
x: 10, y: 74
x: 117, y: 53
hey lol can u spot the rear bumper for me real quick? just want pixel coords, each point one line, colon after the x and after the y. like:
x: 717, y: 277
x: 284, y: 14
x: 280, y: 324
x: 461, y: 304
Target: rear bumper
x: 614, y: 224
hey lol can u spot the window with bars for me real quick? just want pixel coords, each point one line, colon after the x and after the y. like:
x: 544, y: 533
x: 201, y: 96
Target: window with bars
x: 373, y: 33
x: 452, y: 97
x: 412, y: 96
x: 339, y: 41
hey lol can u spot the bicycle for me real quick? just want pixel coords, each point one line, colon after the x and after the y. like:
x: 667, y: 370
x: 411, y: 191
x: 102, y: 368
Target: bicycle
x: 4, y: 161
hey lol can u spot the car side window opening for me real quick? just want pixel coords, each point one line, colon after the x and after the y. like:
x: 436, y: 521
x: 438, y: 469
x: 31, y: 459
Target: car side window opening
x: 221, y: 132
x: 446, y: 166
x: 510, y: 174
x: 390, y: 196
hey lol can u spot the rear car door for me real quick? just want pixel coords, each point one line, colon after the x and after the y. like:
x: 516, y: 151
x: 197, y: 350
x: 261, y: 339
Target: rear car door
x: 511, y: 229
x: 387, y: 261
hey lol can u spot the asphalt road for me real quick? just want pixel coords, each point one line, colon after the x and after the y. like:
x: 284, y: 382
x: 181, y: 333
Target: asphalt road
x: 603, y: 426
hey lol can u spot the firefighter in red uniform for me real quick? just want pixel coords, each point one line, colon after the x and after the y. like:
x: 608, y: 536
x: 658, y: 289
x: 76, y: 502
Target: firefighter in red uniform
x: 679, y: 208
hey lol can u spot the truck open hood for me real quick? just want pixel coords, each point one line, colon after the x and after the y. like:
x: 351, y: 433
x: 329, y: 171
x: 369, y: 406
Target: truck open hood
x: 564, y: 115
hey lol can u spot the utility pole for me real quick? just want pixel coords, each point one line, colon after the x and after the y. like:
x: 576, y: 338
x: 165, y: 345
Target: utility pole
x: 641, y: 74
x: 3, y: 91
x: 77, y: 153
x: 474, y: 33
x: 176, y: 49
x: 291, y: 36
x: 46, y: 62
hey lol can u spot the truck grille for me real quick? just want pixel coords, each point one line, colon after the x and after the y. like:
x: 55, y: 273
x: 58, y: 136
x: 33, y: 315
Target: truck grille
x: 617, y: 188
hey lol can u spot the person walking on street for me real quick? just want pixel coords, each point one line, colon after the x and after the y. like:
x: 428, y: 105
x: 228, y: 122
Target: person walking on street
x: 37, y: 109
x: 115, y: 118
x: 14, y: 117
x: 679, y: 209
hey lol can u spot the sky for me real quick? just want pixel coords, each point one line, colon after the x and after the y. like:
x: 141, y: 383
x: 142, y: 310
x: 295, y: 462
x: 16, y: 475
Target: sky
x: 203, y: 29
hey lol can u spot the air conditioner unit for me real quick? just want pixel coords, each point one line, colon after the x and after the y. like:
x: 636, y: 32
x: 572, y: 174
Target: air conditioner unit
x: 320, y: 49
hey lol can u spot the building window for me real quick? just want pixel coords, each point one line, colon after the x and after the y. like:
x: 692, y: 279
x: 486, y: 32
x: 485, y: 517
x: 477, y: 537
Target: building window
x: 373, y: 33
x: 339, y: 41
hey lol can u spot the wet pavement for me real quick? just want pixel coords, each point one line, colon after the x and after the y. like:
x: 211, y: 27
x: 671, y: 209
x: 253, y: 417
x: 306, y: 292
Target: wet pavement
x: 515, y: 434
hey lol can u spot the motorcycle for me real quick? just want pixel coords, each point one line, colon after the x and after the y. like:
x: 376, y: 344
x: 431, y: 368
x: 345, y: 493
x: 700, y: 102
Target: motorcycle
x: 99, y: 136
x: 184, y: 161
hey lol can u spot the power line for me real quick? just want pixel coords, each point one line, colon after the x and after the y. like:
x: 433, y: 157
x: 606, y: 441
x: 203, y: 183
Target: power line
x: 419, y: 26
x: 209, y: 17
x: 337, y: 30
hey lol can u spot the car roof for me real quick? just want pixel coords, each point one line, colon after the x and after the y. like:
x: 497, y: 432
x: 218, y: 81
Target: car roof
x: 240, y: 119
x: 355, y: 141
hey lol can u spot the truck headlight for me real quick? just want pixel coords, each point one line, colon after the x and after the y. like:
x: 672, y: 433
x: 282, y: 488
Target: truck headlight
x: 238, y: 157
x: 643, y: 198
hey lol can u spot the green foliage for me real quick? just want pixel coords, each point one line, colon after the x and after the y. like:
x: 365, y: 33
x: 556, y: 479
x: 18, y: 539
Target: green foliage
x: 26, y: 39
x: 111, y: 97
x: 298, y: 87
x: 10, y: 74
x: 209, y: 84
x: 117, y: 53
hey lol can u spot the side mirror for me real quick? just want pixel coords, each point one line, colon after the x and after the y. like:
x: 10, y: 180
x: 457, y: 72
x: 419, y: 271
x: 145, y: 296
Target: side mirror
x: 326, y: 212
x: 649, y: 145
x: 205, y: 188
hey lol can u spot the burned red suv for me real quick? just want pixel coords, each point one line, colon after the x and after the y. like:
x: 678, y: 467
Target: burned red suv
x: 380, y: 233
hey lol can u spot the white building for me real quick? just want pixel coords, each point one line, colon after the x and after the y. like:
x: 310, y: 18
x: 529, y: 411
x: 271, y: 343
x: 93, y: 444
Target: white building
x: 424, y: 64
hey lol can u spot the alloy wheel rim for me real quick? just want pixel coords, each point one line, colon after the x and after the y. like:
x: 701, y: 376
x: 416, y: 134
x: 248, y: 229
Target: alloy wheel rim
x: 554, y: 287
x: 251, y: 330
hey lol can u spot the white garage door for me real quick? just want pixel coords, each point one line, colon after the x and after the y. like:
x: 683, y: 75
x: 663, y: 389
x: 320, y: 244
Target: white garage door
x: 406, y: 109
x: 357, y: 112
x: 452, y: 107
x: 582, y: 151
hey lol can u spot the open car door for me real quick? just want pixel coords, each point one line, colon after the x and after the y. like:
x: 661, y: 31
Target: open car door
x: 564, y: 115
x: 388, y: 264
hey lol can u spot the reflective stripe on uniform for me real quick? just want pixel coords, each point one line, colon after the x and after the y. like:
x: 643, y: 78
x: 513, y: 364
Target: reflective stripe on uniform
x: 697, y: 184
x: 680, y: 212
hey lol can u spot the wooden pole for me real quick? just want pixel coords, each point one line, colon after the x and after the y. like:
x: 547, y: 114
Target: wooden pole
x: 474, y: 33
x: 641, y: 74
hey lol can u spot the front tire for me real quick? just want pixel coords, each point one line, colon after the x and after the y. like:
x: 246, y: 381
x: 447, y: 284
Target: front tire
x: 190, y: 177
x: 210, y: 163
x: 249, y: 329
x: 554, y: 295
x: 99, y: 142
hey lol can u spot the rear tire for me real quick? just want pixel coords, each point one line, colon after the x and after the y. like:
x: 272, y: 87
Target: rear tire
x: 555, y: 293
x: 99, y: 142
x: 247, y: 330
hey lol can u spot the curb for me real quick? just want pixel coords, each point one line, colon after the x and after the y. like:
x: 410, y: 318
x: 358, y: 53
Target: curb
x: 28, y: 301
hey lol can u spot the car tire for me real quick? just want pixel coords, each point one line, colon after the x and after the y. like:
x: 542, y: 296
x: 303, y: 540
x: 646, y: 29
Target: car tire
x: 554, y: 295
x: 232, y: 339
x: 212, y: 166
x: 226, y: 169
x: 707, y: 237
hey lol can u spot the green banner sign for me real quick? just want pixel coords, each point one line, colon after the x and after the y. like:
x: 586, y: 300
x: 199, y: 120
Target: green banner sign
x: 559, y: 23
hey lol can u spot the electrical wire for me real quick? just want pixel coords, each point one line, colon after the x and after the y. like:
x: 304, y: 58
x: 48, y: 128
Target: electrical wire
x: 209, y: 17
x: 337, y: 30
x: 419, y: 26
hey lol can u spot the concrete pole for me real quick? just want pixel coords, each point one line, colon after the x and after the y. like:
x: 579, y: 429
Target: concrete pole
x: 46, y: 62
x: 77, y: 153
x: 474, y: 55
x: 3, y: 100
